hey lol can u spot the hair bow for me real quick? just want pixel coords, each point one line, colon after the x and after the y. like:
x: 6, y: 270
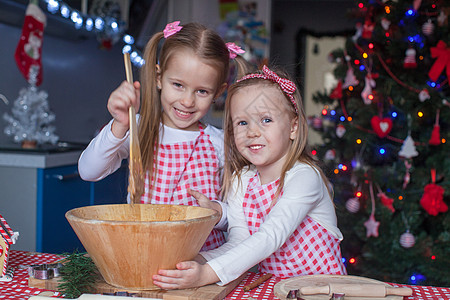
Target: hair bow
x: 287, y: 86
x: 234, y: 49
x: 171, y: 29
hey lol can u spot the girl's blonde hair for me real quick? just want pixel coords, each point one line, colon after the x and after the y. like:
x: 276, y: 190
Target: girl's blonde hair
x: 203, y: 42
x: 298, y: 150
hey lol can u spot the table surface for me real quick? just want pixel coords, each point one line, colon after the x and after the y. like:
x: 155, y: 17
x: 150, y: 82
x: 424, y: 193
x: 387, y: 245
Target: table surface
x: 18, y: 288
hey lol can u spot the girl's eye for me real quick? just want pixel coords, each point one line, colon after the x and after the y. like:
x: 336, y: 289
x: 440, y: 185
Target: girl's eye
x: 242, y: 123
x: 176, y: 84
x: 203, y: 92
x: 267, y: 120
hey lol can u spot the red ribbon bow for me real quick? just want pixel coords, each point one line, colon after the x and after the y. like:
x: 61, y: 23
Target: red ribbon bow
x: 287, y: 86
x: 442, y: 53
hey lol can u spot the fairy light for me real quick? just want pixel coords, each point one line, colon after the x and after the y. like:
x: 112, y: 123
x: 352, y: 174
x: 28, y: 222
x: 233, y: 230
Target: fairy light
x: 360, y: 5
x: 443, y: 141
x: 362, y: 68
x: 387, y: 34
x: 370, y: 46
x: 324, y: 112
x: 358, y: 194
x: 342, y: 118
x: 394, y: 114
x: 352, y: 260
x: 350, y: 88
x: 365, y: 55
x: 349, y: 119
x: 400, y: 198
x: 344, y: 168
x: 433, y: 257
x: 421, y: 57
x: 314, y: 152
x: 370, y: 97
x: 382, y: 151
x: 333, y: 112
x: 387, y: 9
x: 420, y: 114
x: 356, y: 61
x: 358, y: 141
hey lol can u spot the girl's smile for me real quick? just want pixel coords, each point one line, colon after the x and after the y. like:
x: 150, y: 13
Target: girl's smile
x: 188, y: 87
x: 263, y: 128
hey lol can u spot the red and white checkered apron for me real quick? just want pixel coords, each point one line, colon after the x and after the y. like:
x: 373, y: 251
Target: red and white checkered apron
x: 309, y: 250
x: 192, y: 164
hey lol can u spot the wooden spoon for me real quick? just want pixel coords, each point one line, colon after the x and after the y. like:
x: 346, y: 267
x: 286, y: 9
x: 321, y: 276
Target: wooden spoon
x: 136, y: 176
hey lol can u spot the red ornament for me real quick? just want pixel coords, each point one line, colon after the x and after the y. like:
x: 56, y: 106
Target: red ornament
x: 386, y: 201
x: 442, y: 53
x: 433, y: 198
x: 435, y: 134
x: 337, y: 92
x: 382, y: 127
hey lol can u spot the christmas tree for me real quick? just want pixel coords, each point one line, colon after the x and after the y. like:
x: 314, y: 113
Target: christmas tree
x: 386, y: 143
x: 30, y: 122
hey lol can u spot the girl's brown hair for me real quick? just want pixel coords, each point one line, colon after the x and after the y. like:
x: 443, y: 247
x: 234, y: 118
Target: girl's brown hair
x: 203, y: 42
x: 298, y: 150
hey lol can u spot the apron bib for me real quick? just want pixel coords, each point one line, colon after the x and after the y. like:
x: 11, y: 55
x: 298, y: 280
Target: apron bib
x: 191, y: 164
x: 309, y: 250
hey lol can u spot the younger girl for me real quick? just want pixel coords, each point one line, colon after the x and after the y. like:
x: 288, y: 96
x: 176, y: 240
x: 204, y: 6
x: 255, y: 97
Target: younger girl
x: 280, y: 213
x: 178, y: 151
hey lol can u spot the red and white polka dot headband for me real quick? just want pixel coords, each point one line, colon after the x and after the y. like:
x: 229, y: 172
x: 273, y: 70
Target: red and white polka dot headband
x: 287, y: 86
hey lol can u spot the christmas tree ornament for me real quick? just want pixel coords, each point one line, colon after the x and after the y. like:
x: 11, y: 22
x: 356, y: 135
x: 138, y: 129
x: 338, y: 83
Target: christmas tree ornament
x: 442, y: 54
x: 358, y: 32
x: 408, y: 149
x: 330, y: 154
x: 386, y: 201
x: 407, y: 240
x: 352, y: 205
x: 317, y: 123
x: 337, y: 92
x: 407, y: 177
x: 428, y: 28
x: 371, y: 224
x: 424, y: 95
x: 381, y: 126
x: 385, y: 23
x: 29, y: 49
x: 435, y: 138
x: 410, y: 59
x: 366, y: 93
x: 350, y: 79
x: 433, y: 198
x: 368, y: 28
x: 442, y: 18
x: 340, y: 131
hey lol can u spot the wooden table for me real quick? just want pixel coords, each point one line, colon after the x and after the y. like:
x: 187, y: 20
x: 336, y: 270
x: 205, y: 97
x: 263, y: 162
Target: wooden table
x: 18, y: 288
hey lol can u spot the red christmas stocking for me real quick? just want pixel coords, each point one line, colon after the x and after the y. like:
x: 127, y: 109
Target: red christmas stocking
x: 29, y: 49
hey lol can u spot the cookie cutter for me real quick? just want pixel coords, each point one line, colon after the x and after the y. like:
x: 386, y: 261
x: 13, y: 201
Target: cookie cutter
x: 45, y: 271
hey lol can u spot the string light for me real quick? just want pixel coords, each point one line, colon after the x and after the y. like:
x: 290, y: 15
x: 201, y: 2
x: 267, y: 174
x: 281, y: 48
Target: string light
x: 314, y: 152
x: 358, y: 194
x: 387, y: 9
x: 382, y: 151
x: 109, y: 27
x: 443, y: 141
x: 400, y: 198
x: 394, y: 114
x: 370, y: 46
x: 365, y: 55
x: 350, y: 88
x: 358, y: 141
x: 356, y: 61
x: 349, y: 119
x: 420, y: 114
x: 433, y: 257
x: 324, y: 112
x: 336, y: 171
x: 360, y: 5
x: 352, y: 260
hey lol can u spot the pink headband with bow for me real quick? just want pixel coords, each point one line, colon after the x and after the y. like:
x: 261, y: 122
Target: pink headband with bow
x: 287, y: 86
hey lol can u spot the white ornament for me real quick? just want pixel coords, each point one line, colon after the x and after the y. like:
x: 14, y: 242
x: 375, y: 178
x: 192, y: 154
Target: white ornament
x: 408, y: 149
x: 424, y: 95
x: 407, y: 240
x: 352, y: 205
x: 340, y: 130
x: 369, y: 84
x: 428, y: 28
x: 385, y: 23
x: 330, y: 154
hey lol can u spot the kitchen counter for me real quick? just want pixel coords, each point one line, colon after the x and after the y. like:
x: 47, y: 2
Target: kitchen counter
x: 46, y: 156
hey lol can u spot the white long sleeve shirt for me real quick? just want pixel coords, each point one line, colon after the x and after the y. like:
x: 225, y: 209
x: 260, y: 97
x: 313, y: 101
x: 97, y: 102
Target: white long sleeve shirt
x: 304, y: 194
x: 104, y: 154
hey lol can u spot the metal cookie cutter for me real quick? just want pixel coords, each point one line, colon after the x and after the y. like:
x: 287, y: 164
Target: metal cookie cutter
x: 45, y: 271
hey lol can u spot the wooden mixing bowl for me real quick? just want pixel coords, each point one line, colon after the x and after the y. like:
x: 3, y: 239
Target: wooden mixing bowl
x: 130, y: 243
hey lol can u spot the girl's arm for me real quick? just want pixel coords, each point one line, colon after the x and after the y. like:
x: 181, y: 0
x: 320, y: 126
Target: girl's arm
x: 303, y: 190
x: 103, y: 155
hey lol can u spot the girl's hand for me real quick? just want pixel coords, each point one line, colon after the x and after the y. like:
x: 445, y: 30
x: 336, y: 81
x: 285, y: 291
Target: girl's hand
x: 203, y: 201
x: 189, y: 274
x: 118, y: 104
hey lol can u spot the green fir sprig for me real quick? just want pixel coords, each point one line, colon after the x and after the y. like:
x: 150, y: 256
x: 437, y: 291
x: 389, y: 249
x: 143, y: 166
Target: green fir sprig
x: 78, y: 275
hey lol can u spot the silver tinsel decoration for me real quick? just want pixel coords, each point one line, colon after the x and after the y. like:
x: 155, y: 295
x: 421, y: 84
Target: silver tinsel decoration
x: 31, y: 117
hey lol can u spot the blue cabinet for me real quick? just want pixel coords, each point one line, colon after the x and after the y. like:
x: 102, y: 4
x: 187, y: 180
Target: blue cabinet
x: 60, y: 189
